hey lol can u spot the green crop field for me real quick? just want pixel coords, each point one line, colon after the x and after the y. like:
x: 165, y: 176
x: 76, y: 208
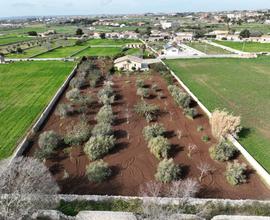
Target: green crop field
x: 246, y: 46
x: 62, y: 52
x: 207, y: 48
x: 25, y: 90
x: 28, y: 52
x: 239, y: 85
x: 100, y: 51
x: 120, y: 42
x: 13, y: 39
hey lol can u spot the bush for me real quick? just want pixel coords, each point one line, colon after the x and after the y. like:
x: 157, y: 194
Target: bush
x: 106, y: 100
x: 106, y: 95
x: 159, y: 146
x: 98, y: 146
x: 149, y: 111
x: 167, y: 171
x: 153, y: 131
x: 224, y: 124
x: 102, y: 129
x: 139, y: 83
x: 181, y: 98
x: 224, y: 151
x: 73, y: 95
x: 98, y: 171
x: 154, y: 87
x: 78, y: 82
x: 236, y: 173
x: 190, y: 112
x: 143, y: 92
x: 205, y: 138
x: 105, y: 115
x: 64, y: 110
x: 49, y: 139
x: 78, y: 134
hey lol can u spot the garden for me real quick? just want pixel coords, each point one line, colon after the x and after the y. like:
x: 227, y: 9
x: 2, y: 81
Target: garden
x: 122, y: 133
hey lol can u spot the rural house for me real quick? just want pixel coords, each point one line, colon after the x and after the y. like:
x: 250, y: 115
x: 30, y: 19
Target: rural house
x: 130, y: 63
x: 170, y: 50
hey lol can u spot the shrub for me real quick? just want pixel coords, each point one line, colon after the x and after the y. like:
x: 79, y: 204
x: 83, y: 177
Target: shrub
x: 236, y: 173
x: 154, y: 87
x: 49, y: 139
x: 223, y: 151
x: 106, y: 90
x: 78, y: 134
x: 181, y: 98
x: 153, y: 131
x: 98, y: 146
x: 64, y: 110
x: 106, y: 100
x: 105, y: 115
x: 205, y: 138
x: 78, y: 82
x: 98, y: 171
x: 149, y: 111
x: 224, y: 124
x: 190, y: 112
x: 167, y: 171
x: 143, y: 92
x: 159, y: 146
x: 73, y: 95
x: 139, y: 83
x: 102, y: 129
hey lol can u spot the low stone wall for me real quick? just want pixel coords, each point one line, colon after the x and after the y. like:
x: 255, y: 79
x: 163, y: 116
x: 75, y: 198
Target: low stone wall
x: 254, y: 163
x: 79, y: 51
x: 36, y: 127
x: 45, y: 52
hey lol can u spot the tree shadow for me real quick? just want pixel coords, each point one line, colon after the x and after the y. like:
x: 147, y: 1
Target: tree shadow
x: 175, y: 149
x: 120, y: 134
x: 169, y: 134
x: 244, y: 133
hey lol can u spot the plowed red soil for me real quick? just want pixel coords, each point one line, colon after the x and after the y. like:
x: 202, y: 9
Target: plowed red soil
x: 131, y: 162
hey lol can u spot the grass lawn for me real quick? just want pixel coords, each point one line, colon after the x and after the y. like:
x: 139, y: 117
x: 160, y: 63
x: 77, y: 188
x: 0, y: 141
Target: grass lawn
x: 247, y: 46
x: 239, y: 85
x: 104, y: 51
x: 120, y: 42
x: 61, y: 52
x: 13, y: 39
x: 25, y: 90
x: 206, y: 48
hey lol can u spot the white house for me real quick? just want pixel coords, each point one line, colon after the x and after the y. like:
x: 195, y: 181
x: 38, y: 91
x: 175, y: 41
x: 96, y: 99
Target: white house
x: 131, y: 63
x: 165, y: 25
x: 2, y: 58
x: 170, y: 50
x: 183, y: 36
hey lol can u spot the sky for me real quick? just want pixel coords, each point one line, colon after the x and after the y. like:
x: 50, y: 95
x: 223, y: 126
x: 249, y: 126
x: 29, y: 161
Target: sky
x: 87, y: 7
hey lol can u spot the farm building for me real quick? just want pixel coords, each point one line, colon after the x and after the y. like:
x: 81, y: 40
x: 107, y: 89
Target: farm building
x: 183, y: 36
x: 130, y: 63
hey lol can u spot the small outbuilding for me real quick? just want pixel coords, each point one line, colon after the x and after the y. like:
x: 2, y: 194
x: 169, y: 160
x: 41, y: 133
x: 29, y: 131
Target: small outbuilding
x: 131, y: 63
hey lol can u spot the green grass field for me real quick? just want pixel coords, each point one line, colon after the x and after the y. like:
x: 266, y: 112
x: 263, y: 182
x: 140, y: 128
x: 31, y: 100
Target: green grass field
x: 247, y: 46
x: 13, y: 39
x: 25, y: 90
x: 105, y: 51
x: 239, y: 85
x: 28, y: 52
x: 62, y: 52
x: 207, y: 48
x: 120, y: 42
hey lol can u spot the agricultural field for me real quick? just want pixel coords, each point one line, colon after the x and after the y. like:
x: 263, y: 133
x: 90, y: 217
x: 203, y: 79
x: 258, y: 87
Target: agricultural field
x: 207, y: 48
x: 239, y: 85
x: 13, y: 39
x: 107, y: 149
x: 100, y: 51
x: 25, y: 89
x: 62, y: 52
x: 246, y: 46
x: 120, y: 42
